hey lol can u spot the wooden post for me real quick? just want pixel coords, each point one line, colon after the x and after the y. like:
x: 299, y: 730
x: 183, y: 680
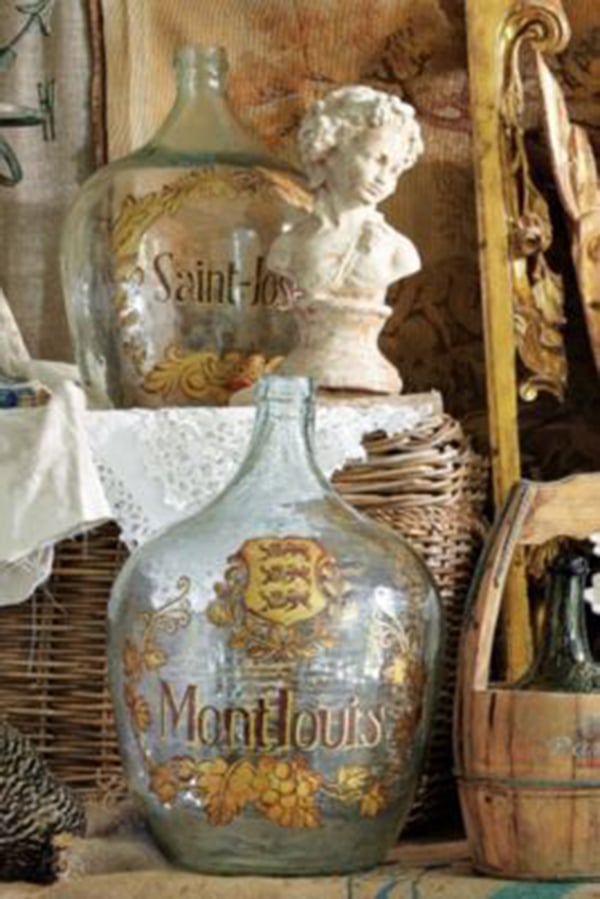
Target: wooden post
x: 486, y: 79
x: 496, y: 30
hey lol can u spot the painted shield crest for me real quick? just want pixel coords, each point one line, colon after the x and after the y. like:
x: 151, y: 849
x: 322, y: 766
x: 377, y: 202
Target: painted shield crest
x: 285, y: 583
x: 281, y: 597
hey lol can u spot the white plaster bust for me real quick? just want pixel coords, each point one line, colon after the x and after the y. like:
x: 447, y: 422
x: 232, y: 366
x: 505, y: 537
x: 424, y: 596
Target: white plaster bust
x: 339, y: 259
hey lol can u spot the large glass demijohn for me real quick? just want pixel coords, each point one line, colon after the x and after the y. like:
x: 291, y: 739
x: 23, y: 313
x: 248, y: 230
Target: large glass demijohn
x: 273, y: 665
x: 163, y: 255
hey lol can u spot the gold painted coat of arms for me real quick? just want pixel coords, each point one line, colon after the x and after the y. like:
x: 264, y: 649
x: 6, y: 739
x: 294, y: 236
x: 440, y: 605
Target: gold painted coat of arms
x: 280, y: 597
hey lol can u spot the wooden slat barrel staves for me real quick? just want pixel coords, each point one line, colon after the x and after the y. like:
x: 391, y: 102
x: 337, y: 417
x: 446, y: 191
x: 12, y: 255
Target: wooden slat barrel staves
x: 528, y: 762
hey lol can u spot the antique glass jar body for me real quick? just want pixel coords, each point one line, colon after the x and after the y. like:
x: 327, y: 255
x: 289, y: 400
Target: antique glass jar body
x: 273, y: 667
x: 564, y: 663
x: 163, y: 256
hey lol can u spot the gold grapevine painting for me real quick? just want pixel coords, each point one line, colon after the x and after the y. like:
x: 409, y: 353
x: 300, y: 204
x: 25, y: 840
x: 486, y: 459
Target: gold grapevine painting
x: 279, y: 606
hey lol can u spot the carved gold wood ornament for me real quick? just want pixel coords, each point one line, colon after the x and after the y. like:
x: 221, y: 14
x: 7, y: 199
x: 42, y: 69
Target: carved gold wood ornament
x: 522, y: 296
x: 538, y: 293
x: 578, y: 184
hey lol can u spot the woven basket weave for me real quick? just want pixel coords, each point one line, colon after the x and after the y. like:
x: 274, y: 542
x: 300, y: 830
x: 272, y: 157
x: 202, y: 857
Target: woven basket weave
x: 427, y: 484
x: 431, y: 487
x: 54, y: 671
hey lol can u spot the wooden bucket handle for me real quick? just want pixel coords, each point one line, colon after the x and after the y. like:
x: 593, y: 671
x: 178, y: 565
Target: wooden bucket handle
x: 532, y: 514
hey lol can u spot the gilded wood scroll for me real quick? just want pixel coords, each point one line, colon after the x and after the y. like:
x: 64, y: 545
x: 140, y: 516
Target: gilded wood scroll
x: 578, y: 185
x: 537, y: 290
x: 522, y: 296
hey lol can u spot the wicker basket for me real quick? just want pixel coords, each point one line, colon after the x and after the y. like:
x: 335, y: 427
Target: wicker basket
x: 54, y: 684
x: 431, y: 487
x: 427, y: 484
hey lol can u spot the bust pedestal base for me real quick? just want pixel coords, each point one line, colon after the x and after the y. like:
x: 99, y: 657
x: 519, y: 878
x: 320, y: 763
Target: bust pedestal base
x: 337, y: 346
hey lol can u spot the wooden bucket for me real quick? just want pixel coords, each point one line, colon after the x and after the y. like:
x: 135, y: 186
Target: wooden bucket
x: 528, y: 762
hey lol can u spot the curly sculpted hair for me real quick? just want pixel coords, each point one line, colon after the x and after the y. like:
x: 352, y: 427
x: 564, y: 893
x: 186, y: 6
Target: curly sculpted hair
x: 347, y: 112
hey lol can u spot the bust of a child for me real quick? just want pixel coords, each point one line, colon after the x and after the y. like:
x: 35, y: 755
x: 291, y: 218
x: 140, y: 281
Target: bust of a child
x: 354, y: 145
x: 338, y: 260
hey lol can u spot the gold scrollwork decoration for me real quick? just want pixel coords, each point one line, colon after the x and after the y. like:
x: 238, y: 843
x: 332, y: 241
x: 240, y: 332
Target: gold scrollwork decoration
x: 136, y: 215
x: 137, y: 659
x: 205, y: 375
x: 578, y: 182
x: 538, y: 292
x: 544, y: 25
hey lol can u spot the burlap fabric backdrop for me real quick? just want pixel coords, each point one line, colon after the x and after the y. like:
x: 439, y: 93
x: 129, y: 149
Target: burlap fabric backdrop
x: 44, y: 63
x: 283, y: 55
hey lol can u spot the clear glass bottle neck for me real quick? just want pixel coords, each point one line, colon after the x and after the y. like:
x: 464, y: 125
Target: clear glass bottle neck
x: 200, y: 122
x: 281, y: 459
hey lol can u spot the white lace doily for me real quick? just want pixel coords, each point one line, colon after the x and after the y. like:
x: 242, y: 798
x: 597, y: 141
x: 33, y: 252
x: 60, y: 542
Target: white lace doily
x: 158, y: 465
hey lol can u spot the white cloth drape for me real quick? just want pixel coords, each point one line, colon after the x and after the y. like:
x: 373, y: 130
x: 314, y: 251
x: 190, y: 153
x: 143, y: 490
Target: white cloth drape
x: 49, y: 486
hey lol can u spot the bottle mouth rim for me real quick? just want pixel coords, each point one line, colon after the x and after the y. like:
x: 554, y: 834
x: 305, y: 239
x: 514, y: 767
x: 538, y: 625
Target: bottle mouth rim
x: 566, y: 563
x: 284, y: 388
x: 213, y: 56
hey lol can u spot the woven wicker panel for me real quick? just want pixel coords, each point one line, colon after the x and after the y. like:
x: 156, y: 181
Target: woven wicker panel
x: 430, y: 487
x: 54, y: 672
x: 426, y: 484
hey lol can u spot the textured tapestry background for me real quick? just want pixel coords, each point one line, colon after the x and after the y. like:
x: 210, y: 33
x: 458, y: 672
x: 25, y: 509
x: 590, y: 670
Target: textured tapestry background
x: 283, y: 54
x: 44, y: 64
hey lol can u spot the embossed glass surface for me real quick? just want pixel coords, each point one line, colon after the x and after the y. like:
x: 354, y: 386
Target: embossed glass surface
x: 168, y: 295
x: 273, y: 664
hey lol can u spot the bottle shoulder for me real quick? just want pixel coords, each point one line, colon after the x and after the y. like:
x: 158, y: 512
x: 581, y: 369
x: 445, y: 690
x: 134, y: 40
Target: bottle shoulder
x: 206, y: 541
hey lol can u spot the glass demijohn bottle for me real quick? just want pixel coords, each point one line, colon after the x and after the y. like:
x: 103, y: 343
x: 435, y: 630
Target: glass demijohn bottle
x: 273, y: 665
x: 163, y: 256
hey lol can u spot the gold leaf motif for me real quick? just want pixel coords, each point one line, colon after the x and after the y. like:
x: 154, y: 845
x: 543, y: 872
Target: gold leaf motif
x: 538, y: 291
x: 186, y: 768
x: 139, y: 710
x: 538, y: 320
x: 219, y: 614
x: 164, y: 782
x: 138, y: 214
x: 406, y: 723
x: 373, y: 801
x: 395, y: 673
x: 238, y: 641
x: 225, y: 788
x: 283, y: 790
x: 173, y: 615
x: 153, y: 656
x: 351, y: 779
x: 136, y: 217
x: 288, y: 189
x: 206, y: 375
x: 132, y: 660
